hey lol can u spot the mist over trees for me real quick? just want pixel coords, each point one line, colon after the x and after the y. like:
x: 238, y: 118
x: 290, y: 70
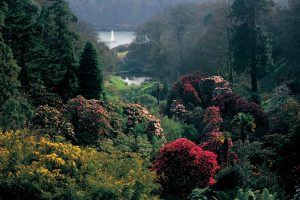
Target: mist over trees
x: 121, y: 14
x: 240, y: 41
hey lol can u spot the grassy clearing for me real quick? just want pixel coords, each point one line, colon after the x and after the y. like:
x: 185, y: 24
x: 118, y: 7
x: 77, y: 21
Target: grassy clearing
x: 121, y: 55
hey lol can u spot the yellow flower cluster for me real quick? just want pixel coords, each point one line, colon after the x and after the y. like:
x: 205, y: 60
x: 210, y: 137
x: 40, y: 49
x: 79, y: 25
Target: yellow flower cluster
x: 54, y: 169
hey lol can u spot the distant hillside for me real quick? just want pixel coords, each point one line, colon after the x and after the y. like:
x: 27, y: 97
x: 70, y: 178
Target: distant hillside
x: 120, y: 14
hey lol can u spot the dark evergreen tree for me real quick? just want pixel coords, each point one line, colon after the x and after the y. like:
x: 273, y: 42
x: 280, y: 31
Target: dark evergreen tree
x: 250, y: 43
x: 43, y: 44
x: 61, y: 40
x: 21, y: 33
x: 14, y: 111
x: 9, y: 69
x: 90, y: 74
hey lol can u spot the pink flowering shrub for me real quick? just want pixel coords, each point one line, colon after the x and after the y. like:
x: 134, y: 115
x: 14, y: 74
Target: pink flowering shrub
x: 90, y: 119
x: 51, y: 121
x: 178, y: 111
x: 183, y: 166
x: 136, y: 114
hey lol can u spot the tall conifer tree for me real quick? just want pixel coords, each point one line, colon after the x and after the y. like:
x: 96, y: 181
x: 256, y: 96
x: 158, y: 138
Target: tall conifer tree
x: 250, y: 43
x: 90, y: 74
x: 9, y: 69
x: 14, y: 110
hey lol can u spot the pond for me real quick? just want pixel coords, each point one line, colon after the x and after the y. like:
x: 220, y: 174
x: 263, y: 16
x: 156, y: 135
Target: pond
x: 114, y: 39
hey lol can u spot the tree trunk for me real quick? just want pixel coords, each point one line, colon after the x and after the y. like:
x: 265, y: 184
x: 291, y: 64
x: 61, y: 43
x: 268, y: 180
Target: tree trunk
x: 253, y: 64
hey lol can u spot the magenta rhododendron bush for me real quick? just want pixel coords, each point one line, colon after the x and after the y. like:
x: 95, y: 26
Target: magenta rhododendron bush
x: 90, y: 119
x: 182, y: 166
x: 196, y: 90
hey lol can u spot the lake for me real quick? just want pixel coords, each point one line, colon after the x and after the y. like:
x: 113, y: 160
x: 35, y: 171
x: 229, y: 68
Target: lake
x: 135, y: 80
x: 120, y: 38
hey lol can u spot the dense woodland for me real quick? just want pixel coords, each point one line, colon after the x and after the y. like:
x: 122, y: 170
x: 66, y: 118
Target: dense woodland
x: 219, y: 120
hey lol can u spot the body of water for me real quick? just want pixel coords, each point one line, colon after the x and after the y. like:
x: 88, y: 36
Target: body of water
x: 135, y: 80
x: 119, y: 38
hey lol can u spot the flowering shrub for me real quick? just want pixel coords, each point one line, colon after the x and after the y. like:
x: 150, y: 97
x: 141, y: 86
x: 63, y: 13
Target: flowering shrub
x: 213, y: 119
x: 178, y: 111
x: 37, y: 168
x: 216, y: 141
x: 90, y: 119
x: 136, y: 114
x: 51, y: 121
x: 194, y: 90
x: 183, y: 166
x: 187, y: 83
x: 231, y: 104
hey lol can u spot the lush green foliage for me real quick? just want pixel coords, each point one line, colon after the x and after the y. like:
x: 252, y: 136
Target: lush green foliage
x: 201, y: 135
x: 36, y: 167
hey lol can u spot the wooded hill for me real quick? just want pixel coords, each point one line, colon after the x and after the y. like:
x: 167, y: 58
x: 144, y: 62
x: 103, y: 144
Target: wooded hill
x: 121, y: 14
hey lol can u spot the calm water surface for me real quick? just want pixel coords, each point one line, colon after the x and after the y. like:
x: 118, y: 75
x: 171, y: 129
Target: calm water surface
x: 135, y: 80
x: 121, y: 37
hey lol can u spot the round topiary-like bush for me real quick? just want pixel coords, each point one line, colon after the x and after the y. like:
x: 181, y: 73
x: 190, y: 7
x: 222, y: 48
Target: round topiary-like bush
x: 183, y: 166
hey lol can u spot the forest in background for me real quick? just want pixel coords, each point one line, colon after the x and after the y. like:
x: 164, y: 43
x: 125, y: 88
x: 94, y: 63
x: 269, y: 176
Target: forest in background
x: 220, y: 120
x: 121, y: 14
x: 205, y: 37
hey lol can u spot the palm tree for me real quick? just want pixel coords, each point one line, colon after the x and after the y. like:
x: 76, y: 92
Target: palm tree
x: 245, y: 123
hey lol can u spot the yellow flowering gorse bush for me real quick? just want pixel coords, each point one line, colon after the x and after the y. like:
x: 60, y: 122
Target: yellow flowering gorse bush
x: 33, y: 167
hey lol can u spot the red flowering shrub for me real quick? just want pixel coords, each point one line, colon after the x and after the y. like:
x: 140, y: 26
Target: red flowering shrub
x: 213, y: 119
x: 194, y: 90
x: 188, y: 83
x: 216, y: 140
x: 136, y: 114
x: 90, y: 119
x: 183, y: 166
x: 231, y: 104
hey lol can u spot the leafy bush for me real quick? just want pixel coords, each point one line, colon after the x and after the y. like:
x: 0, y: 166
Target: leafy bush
x: 130, y: 143
x: 15, y: 114
x: 172, y: 129
x: 183, y: 166
x: 198, y: 194
x: 247, y: 195
x: 146, y: 100
x: 36, y: 168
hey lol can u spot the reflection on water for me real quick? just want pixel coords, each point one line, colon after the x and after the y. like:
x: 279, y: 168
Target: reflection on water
x: 135, y: 80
